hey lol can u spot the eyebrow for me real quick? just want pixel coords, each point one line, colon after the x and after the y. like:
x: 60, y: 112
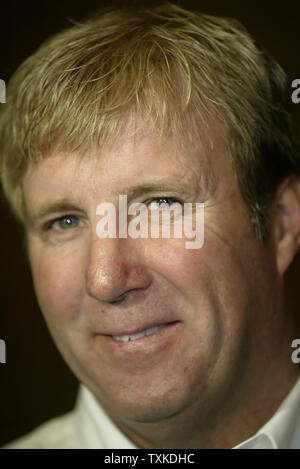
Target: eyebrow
x: 63, y: 205
x: 67, y: 205
x: 161, y: 186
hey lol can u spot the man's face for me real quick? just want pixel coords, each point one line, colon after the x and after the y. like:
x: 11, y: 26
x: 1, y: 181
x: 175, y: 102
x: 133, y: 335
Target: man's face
x: 209, y: 300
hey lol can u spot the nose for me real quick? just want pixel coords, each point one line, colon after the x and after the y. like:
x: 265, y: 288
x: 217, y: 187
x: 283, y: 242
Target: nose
x: 114, y: 269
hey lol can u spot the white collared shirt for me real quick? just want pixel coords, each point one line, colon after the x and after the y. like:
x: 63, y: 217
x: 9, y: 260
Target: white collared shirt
x: 282, y: 431
x: 89, y: 427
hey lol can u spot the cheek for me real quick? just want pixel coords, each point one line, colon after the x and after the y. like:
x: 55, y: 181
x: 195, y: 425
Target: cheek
x: 192, y: 287
x: 220, y: 281
x: 58, y: 284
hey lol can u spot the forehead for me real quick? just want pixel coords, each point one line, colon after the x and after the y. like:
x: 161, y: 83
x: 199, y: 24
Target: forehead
x: 144, y: 158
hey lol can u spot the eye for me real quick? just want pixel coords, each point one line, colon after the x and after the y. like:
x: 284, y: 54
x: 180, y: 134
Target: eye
x: 66, y: 222
x: 162, y: 202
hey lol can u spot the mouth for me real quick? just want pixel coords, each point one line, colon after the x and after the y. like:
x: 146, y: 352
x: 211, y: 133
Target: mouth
x: 136, y: 349
x: 143, y: 333
x: 138, y: 335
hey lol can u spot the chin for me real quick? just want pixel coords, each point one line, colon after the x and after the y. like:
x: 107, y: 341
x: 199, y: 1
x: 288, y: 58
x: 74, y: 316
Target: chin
x: 146, y: 405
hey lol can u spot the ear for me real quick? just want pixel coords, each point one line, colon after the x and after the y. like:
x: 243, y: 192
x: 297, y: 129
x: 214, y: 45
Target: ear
x: 286, y: 226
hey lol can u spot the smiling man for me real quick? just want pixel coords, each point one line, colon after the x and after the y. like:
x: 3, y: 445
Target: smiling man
x: 173, y: 347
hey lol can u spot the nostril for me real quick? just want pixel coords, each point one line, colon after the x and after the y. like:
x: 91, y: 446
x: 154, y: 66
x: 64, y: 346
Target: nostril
x: 123, y: 296
x: 119, y: 300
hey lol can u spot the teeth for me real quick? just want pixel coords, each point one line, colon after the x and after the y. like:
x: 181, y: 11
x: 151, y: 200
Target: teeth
x: 126, y: 338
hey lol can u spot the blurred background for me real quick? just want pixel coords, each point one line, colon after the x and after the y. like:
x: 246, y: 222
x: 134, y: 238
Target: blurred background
x: 35, y: 384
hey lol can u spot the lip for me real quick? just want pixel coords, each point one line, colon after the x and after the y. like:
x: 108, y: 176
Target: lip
x: 137, y: 355
x: 139, y: 329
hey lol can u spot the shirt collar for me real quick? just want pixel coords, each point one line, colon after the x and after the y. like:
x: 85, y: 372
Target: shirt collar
x: 282, y: 431
x: 95, y: 429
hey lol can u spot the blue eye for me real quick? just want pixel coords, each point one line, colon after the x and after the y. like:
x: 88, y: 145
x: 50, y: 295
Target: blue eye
x: 65, y: 223
x: 163, y: 202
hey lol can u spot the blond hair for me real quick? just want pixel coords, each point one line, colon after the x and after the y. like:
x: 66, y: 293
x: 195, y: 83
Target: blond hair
x: 173, y: 65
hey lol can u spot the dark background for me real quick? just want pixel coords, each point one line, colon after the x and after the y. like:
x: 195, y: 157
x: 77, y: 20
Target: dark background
x: 35, y: 384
